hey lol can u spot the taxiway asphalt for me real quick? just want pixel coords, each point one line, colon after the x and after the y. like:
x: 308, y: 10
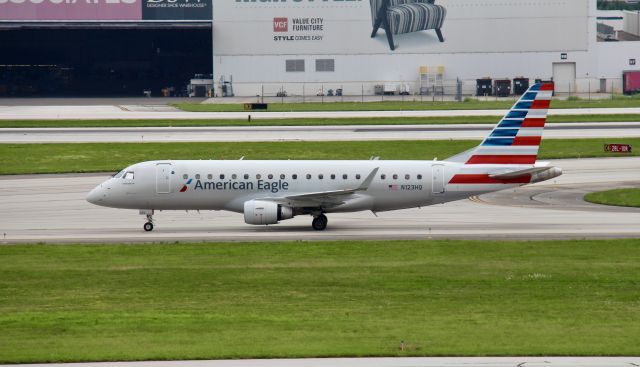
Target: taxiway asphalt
x: 303, y: 133
x: 161, y: 111
x: 52, y: 208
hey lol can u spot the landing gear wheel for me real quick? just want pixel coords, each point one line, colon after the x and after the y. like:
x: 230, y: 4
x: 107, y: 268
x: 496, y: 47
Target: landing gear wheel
x: 319, y: 223
x: 148, y: 227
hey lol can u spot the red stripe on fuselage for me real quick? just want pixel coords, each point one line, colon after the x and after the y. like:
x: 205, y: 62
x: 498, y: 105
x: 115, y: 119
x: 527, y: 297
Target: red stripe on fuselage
x: 502, y: 159
x: 485, y: 179
x: 533, y: 122
x: 184, y: 188
x: 527, y: 140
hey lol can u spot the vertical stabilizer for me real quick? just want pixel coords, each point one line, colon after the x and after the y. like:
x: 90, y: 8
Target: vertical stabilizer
x: 516, y: 138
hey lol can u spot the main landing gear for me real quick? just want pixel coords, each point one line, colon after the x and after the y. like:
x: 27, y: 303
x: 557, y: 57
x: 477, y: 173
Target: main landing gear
x: 319, y: 222
x: 148, y: 227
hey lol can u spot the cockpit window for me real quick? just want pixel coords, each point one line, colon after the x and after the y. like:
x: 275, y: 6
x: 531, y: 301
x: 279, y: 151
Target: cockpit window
x: 128, y: 175
x: 119, y: 174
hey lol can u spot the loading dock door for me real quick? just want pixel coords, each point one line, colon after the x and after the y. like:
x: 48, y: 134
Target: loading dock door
x: 163, y: 178
x: 564, y: 77
x: 437, y: 178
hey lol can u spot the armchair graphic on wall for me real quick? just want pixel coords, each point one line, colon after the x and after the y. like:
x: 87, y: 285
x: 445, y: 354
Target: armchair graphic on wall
x: 406, y: 16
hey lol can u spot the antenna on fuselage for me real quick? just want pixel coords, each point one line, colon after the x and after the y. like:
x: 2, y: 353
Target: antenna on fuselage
x: 241, y: 158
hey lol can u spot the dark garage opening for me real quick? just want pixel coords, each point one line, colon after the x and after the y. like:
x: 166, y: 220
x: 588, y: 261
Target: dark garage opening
x: 101, y: 62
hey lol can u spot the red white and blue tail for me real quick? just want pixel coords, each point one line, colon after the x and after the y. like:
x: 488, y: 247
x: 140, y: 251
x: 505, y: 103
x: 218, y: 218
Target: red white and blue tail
x: 516, y: 139
x: 507, y: 156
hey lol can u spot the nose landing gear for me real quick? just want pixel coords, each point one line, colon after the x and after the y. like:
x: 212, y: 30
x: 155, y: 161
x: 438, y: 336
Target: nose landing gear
x: 148, y: 227
x: 319, y: 222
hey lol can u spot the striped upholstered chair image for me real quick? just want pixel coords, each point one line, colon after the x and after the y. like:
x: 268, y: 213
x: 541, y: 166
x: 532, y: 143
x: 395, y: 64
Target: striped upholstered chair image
x: 406, y: 16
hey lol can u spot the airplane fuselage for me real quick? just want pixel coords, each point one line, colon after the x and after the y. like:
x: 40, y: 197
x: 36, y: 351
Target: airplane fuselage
x: 227, y: 185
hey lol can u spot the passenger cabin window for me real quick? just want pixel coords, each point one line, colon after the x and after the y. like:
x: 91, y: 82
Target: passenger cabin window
x: 406, y: 177
x: 128, y: 175
x: 258, y: 176
x: 419, y: 177
x: 344, y: 177
x: 395, y: 177
x: 246, y: 176
x: 357, y: 176
x: 185, y: 176
x: 308, y: 176
x: 333, y: 176
x: 383, y: 176
x: 270, y: 176
x: 234, y: 176
x: 197, y: 176
x: 282, y: 176
x: 321, y: 176
x: 222, y: 176
x: 294, y: 176
x: 209, y: 176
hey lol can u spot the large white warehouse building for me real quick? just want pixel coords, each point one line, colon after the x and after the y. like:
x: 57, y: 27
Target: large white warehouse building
x: 303, y: 45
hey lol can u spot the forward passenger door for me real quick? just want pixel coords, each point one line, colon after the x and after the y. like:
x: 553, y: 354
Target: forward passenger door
x: 163, y: 178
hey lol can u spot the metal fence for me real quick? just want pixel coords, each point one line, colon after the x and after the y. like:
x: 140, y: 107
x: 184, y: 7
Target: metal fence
x: 447, y: 90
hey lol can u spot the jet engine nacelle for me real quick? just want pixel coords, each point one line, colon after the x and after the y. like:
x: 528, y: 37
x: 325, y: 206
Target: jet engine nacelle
x: 265, y: 212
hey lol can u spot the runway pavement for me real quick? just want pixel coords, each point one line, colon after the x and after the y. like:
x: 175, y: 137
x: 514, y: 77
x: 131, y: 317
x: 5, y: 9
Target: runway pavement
x: 379, y: 362
x: 304, y: 133
x: 162, y: 111
x: 52, y: 208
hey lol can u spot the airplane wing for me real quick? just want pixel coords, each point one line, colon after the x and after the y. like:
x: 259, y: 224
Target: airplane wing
x: 325, y: 198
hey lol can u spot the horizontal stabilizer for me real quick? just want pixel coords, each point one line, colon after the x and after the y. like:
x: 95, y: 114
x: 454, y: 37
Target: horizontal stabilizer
x: 537, y: 174
x: 520, y: 173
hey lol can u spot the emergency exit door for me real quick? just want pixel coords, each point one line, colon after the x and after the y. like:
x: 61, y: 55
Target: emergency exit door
x: 163, y: 178
x: 437, y: 178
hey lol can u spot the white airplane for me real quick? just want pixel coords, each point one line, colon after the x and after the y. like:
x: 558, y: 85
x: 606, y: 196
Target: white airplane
x: 268, y: 191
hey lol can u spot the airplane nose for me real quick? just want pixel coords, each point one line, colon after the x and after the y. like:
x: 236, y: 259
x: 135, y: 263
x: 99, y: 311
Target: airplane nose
x: 96, y: 196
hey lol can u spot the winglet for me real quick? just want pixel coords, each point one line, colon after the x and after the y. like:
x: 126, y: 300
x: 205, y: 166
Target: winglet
x: 367, y: 181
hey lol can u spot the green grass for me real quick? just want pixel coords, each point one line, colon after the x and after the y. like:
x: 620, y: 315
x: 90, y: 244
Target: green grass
x: 410, y: 104
x: 67, y: 303
x: 305, y: 121
x: 618, y: 197
x: 100, y: 157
